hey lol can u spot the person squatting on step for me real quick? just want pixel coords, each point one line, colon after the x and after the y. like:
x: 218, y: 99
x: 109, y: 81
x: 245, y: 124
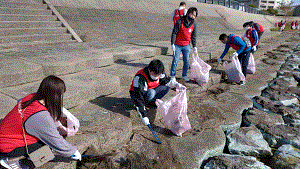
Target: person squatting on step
x: 33, y: 119
x: 178, y: 13
x: 251, y: 35
x: 242, y: 51
x: 184, y: 33
x: 149, y: 84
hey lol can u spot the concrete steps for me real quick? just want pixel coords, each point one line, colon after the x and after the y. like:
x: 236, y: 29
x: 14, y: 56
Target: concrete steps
x: 25, y: 21
x: 32, y: 31
x: 21, y: 17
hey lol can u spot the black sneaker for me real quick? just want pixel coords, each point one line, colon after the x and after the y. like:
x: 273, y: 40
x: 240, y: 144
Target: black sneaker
x: 241, y: 83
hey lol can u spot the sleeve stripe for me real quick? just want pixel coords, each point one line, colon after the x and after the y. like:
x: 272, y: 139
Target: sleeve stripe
x: 136, y: 81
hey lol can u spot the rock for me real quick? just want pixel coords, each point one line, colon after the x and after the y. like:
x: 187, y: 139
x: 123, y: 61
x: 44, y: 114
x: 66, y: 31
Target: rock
x: 284, y: 82
x: 193, y: 150
x: 257, y: 117
x: 281, y: 97
x: 248, y: 141
x: 234, y: 161
x: 112, y: 130
x: 282, y: 134
x: 288, y: 156
x: 264, y: 103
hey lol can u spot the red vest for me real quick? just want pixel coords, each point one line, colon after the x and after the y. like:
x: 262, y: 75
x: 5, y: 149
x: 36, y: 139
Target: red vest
x: 151, y: 84
x: 234, y: 46
x: 248, y: 35
x: 178, y: 14
x: 261, y: 28
x: 11, y: 132
x: 184, y: 35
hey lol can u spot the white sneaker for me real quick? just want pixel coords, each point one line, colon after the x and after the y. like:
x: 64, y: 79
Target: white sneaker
x: 10, y: 164
x: 185, y: 78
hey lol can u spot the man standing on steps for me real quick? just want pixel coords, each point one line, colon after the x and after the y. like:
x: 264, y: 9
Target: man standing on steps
x: 242, y: 51
x: 149, y: 84
x: 180, y: 12
x: 184, y: 33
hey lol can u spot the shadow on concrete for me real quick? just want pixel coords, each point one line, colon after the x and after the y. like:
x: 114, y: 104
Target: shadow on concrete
x: 140, y: 65
x: 116, y: 105
x: 164, y: 50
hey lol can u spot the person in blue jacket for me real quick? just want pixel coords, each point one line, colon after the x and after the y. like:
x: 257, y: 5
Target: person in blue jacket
x: 252, y: 35
x: 242, y: 51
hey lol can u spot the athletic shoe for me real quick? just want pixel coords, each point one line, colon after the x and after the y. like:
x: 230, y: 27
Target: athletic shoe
x: 10, y: 164
x: 241, y: 83
x: 185, y: 78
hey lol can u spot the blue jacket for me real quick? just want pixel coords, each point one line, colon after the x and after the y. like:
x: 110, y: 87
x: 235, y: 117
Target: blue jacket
x: 237, y: 41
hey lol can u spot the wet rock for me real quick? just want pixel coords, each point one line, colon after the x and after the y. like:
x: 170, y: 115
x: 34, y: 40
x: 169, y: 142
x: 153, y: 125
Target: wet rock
x: 284, y: 82
x: 193, y: 150
x: 280, y: 96
x: 288, y: 156
x: 269, y: 105
x: 293, y: 117
x: 235, y: 161
x: 248, y: 141
x: 282, y: 134
x: 258, y: 117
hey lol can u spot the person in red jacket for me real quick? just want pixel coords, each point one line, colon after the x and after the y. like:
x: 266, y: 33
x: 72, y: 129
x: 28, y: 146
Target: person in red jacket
x: 34, y: 118
x: 258, y: 27
x: 184, y: 33
x: 180, y: 12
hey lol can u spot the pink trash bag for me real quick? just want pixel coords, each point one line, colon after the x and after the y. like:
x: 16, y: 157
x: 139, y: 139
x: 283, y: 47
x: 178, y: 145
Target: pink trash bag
x: 199, y: 69
x: 251, y: 65
x: 174, y: 112
x: 234, y: 70
x: 72, y: 124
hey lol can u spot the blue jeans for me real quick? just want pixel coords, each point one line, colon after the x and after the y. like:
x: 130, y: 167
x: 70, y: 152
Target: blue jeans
x: 156, y: 93
x: 244, y: 60
x: 186, y: 50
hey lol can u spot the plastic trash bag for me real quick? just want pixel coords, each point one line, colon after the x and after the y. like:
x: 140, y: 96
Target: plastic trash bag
x: 174, y: 112
x: 72, y: 124
x: 199, y: 69
x: 233, y: 70
x: 251, y: 65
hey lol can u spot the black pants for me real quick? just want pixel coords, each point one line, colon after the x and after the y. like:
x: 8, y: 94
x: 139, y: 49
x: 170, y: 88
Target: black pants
x: 21, y: 151
x: 244, y: 60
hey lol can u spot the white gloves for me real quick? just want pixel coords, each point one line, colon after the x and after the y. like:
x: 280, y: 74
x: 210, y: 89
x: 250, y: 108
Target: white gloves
x: 235, y: 54
x: 145, y: 120
x: 219, y: 60
x: 76, y: 156
x: 254, y: 48
x: 195, y: 50
x: 173, y: 48
x: 180, y: 86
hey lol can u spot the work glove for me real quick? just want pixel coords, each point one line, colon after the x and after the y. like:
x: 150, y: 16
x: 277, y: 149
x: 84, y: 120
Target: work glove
x: 254, y: 48
x: 219, y: 60
x: 235, y: 54
x: 76, y: 156
x: 173, y: 48
x: 180, y: 87
x: 195, y: 50
x: 145, y: 120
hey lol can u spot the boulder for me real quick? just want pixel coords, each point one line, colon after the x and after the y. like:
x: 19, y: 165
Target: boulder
x: 278, y: 96
x: 257, y: 117
x: 248, y: 141
x: 193, y: 150
x: 235, y: 161
x: 287, y: 156
x: 278, y: 135
x: 266, y: 104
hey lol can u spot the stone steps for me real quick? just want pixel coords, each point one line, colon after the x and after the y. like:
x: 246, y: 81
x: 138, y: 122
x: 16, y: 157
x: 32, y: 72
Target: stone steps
x: 25, y: 11
x: 22, y: 4
x: 7, y: 46
x: 32, y: 31
x: 34, y: 38
x: 21, y: 17
x: 30, y: 24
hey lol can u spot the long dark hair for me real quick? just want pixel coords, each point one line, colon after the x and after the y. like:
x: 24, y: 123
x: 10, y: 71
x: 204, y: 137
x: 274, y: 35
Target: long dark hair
x: 51, y: 91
